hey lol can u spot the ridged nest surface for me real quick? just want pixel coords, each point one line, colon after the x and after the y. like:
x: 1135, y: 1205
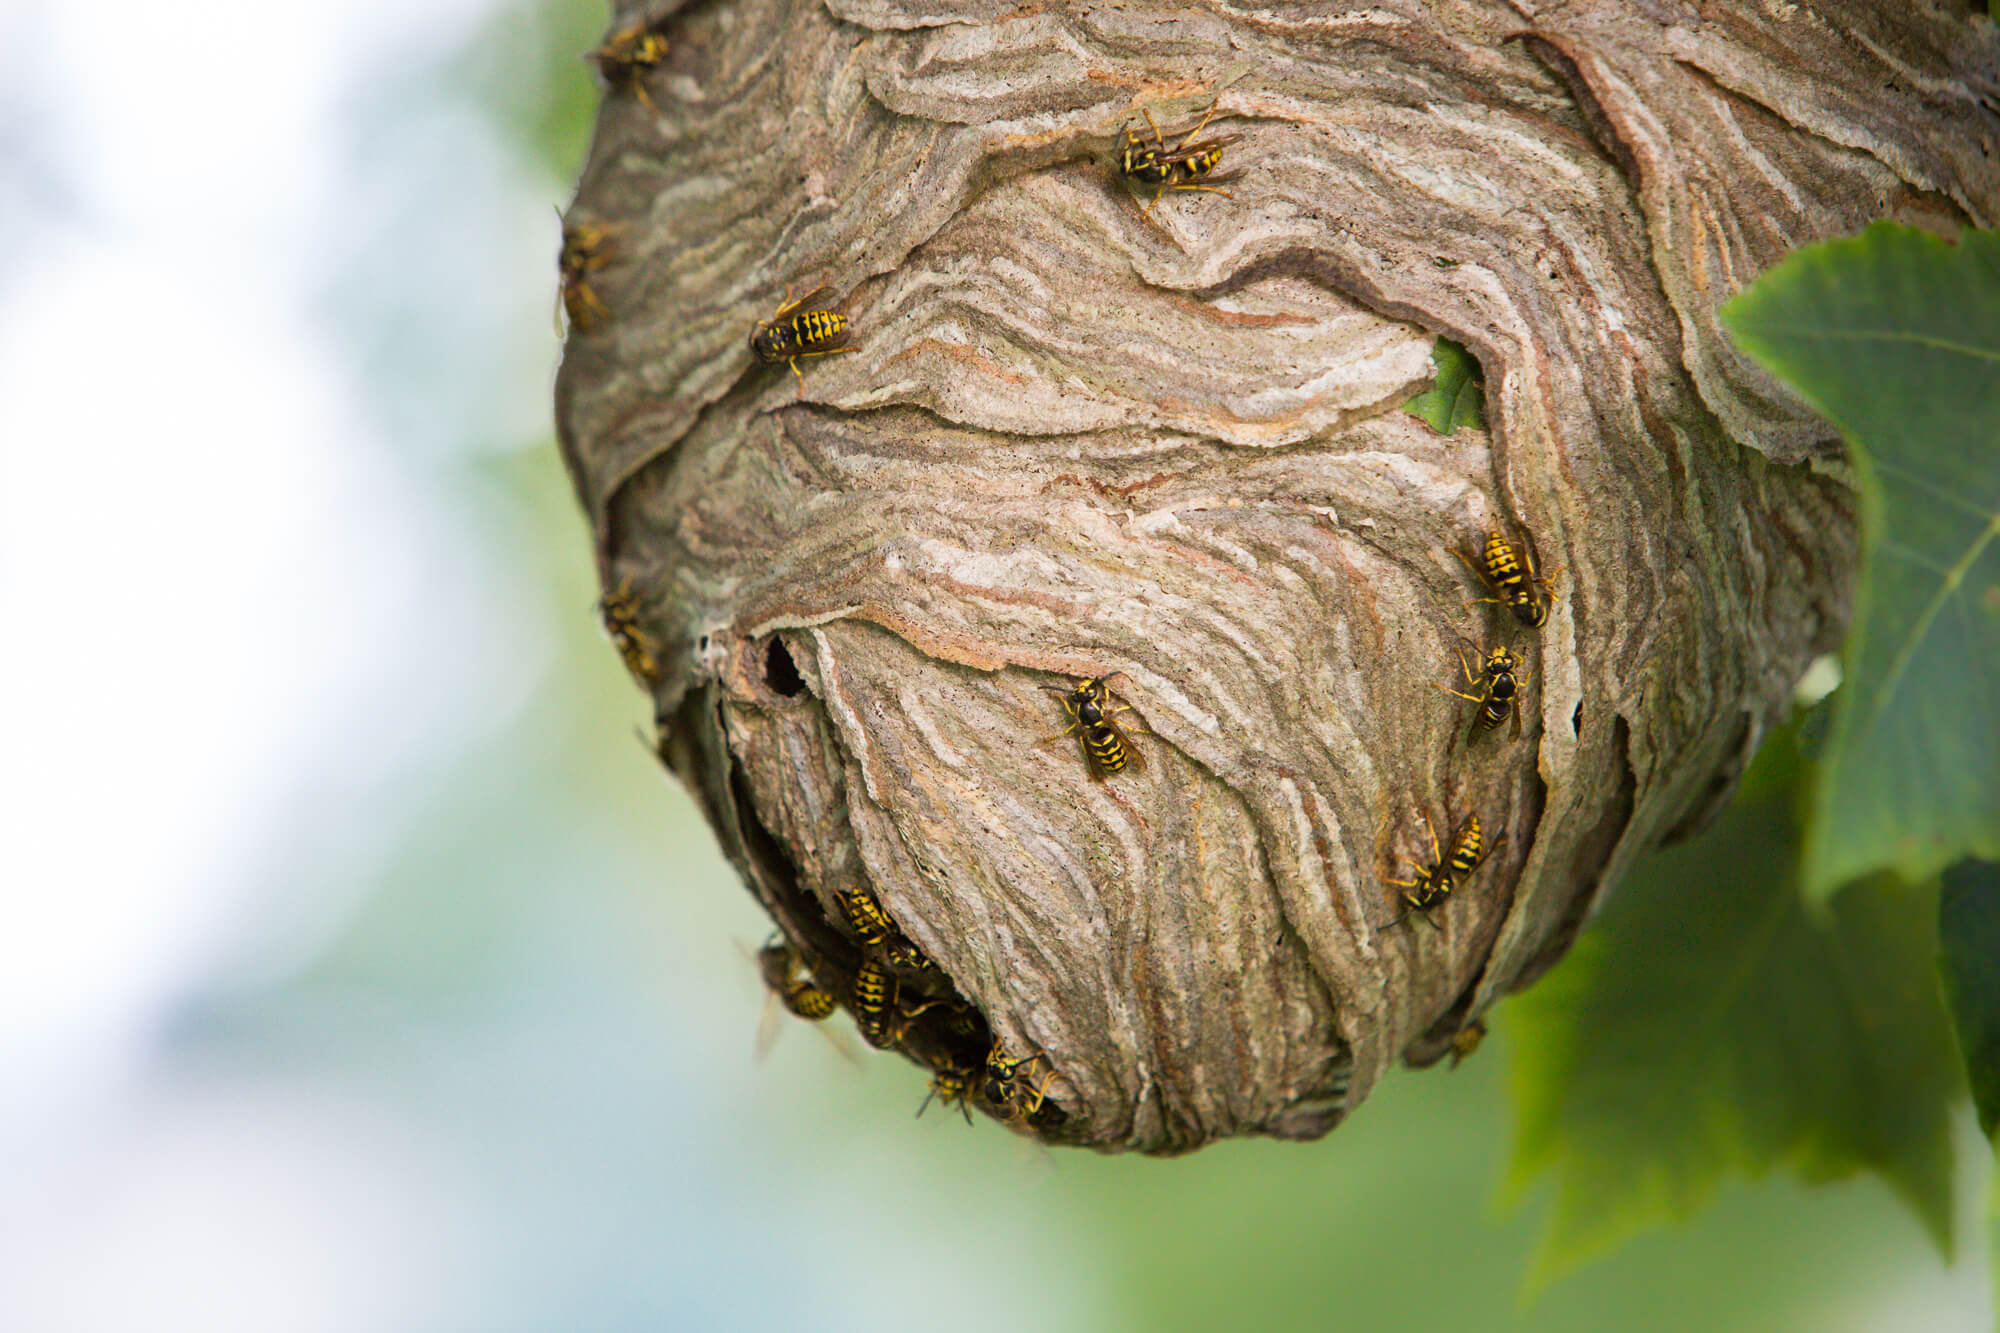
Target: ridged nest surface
x: 1079, y: 434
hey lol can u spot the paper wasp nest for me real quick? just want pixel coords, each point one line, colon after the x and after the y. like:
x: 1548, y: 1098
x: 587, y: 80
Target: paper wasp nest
x: 1071, y: 440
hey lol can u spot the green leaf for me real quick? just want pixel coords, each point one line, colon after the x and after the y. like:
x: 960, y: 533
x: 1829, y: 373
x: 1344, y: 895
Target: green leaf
x: 1707, y: 1026
x: 1969, y: 959
x: 1895, y: 336
x: 1455, y: 397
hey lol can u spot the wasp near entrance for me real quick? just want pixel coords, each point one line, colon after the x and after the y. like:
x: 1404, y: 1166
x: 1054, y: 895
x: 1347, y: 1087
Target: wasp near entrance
x: 791, y: 333
x: 1003, y: 1081
x: 1180, y: 167
x: 619, y: 610
x: 627, y: 56
x: 874, y: 992
x: 1436, y: 878
x: 779, y: 964
x: 1510, y: 571
x: 585, y: 249
x: 1498, y: 680
x: 1106, y: 750
x: 951, y: 1085
x: 1466, y: 1040
x: 876, y: 929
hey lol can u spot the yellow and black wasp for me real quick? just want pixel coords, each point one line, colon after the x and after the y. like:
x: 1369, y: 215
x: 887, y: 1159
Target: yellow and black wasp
x: 1498, y: 680
x: 619, y: 610
x: 1002, y: 1081
x: 948, y: 1085
x: 1436, y: 878
x: 585, y: 249
x: 1510, y: 571
x: 627, y: 56
x: 1466, y: 1040
x: 792, y: 990
x: 874, y: 1001
x: 865, y: 916
x: 791, y: 333
x: 876, y: 929
x: 1181, y: 167
x: 1106, y: 748
x: 779, y: 964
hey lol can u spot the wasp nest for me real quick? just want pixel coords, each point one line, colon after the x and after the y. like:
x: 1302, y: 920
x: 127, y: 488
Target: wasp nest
x: 1094, y: 424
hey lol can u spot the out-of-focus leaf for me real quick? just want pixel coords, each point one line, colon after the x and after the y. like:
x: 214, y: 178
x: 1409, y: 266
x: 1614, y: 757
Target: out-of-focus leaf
x: 1706, y: 1026
x: 1455, y: 397
x: 1969, y: 958
x: 1895, y: 336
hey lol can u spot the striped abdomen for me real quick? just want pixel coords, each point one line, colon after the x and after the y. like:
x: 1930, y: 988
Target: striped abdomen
x: 1465, y: 853
x: 865, y: 917
x: 807, y: 1000
x: 1200, y: 164
x: 788, y: 337
x: 1504, y: 570
x: 1499, y: 700
x: 871, y: 1002
x: 1105, y: 748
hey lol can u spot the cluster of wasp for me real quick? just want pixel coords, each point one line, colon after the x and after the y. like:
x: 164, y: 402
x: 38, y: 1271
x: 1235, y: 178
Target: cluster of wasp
x: 901, y: 999
x: 1494, y: 679
x: 898, y: 997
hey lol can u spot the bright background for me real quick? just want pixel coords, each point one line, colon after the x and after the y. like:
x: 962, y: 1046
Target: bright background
x: 361, y: 971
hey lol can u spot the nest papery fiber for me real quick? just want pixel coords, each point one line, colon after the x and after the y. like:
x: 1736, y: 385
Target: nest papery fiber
x: 1071, y: 439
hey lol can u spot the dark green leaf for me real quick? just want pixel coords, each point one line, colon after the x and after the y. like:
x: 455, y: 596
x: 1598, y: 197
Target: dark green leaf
x: 1969, y: 958
x: 1706, y: 1026
x: 1895, y: 336
x: 1455, y: 398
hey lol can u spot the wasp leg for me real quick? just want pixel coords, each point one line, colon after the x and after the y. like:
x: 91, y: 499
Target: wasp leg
x: 799, y: 374
x: 1206, y: 116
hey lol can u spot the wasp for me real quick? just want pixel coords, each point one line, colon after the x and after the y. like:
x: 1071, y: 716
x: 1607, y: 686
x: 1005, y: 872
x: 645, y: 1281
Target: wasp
x: 1498, y: 681
x: 876, y: 929
x: 1466, y: 1040
x: 1510, y: 571
x: 779, y: 964
x: 1002, y: 1079
x: 584, y: 251
x: 627, y: 55
x: 1181, y: 167
x: 874, y: 996
x: 865, y: 916
x: 781, y: 968
x: 953, y: 1084
x: 619, y: 610
x: 1436, y: 879
x: 791, y: 333
x: 1105, y: 747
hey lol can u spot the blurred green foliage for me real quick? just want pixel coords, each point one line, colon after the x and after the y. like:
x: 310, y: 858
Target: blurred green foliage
x: 1969, y: 922
x: 1894, y: 335
x: 1705, y: 1026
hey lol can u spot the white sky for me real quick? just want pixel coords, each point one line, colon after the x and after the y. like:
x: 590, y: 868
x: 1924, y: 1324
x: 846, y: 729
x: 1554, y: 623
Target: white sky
x: 206, y: 556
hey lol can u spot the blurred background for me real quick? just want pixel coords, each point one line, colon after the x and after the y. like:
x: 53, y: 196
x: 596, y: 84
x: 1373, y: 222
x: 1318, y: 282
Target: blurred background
x: 363, y: 972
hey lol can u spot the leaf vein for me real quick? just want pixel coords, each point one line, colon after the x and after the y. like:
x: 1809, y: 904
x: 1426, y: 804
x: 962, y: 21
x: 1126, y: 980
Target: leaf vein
x: 1884, y: 335
x: 1948, y: 585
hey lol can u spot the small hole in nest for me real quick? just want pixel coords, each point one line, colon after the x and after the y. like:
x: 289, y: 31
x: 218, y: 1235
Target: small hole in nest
x: 780, y: 672
x: 1575, y: 720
